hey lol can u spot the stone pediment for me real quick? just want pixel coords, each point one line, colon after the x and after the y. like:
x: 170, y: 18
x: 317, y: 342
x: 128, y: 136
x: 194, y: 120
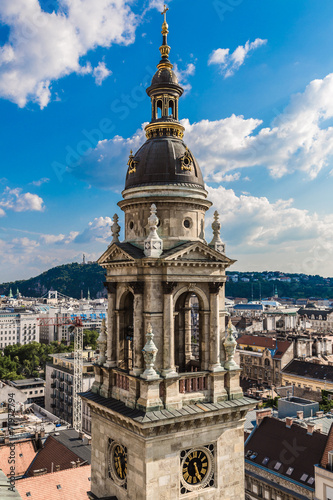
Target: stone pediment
x: 115, y: 253
x: 199, y: 252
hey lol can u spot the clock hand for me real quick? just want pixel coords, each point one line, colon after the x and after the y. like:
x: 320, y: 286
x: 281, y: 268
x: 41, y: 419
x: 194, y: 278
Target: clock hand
x: 197, y: 471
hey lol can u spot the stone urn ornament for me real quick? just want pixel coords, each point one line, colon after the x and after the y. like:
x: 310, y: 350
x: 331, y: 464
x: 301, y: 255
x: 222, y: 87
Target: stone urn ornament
x: 115, y: 229
x: 230, y: 349
x: 149, y: 355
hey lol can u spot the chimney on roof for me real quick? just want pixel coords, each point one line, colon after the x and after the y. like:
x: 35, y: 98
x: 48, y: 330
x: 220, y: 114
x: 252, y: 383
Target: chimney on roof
x: 73, y: 464
x: 78, y: 463
x: 57, y: 467
x: 319, y: 414
x: 42, y: 433
x: 289, y: 422
x: 310, y: 429
x: 81, y: 435
x: 300, y: 415
x: 89, y: 440
x: 261, y: 414
x: 6, y: 439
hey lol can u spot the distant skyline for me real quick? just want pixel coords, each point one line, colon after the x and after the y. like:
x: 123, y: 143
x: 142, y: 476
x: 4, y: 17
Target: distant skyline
x: 258, y: 112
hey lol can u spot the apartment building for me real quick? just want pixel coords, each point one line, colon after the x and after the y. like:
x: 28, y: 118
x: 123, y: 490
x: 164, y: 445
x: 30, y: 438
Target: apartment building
x: 59, y: 380
x: 18, y: 327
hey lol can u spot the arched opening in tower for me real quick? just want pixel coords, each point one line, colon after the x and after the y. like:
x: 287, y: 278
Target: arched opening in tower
x: 126, y: 313
x: 188, y: 333
x: 159, y: 109
x: 171, y: 109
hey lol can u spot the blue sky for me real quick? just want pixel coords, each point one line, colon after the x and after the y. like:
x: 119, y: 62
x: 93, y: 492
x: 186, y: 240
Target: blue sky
x: 258, y: 110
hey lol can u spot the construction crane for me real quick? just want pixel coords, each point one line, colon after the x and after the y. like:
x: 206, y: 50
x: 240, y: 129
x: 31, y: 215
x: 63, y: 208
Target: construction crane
x: 77, y: 325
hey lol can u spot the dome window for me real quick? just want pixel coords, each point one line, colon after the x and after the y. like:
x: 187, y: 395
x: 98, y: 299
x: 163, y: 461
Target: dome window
x: 187, y: 223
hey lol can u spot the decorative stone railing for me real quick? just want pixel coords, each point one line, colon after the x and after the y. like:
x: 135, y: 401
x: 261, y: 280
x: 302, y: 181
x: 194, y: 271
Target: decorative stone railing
x: 193, y: 384
x: 122, y: 382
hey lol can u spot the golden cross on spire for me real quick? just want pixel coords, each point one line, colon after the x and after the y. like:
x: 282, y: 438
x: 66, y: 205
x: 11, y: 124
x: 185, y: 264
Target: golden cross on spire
x: 164, y: 12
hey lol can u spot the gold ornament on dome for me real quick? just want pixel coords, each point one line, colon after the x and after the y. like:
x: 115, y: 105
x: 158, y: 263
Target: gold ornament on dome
x: 186, y: 161
x: 132, y: 163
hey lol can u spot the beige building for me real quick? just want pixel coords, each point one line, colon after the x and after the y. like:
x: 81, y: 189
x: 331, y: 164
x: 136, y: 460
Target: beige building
x: 262, y: 358
x: 310, y: 376
x: 320, y: 319
x: 166, y: 406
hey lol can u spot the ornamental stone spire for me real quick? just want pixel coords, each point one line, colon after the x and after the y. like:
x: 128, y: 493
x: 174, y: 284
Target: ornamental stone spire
x: 230, y: 349
x: 115, y: 229
x: 153, y: 244
x: 149, y: 354
x: 216, y: 242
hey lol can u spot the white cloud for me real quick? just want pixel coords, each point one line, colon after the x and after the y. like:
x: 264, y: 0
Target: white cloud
x: 14, y: 199
x: 100, y: 73
x: 157, y: 4
x: 41, y: 181
x: 183, y: 75
x: 49, y: 239
x: 292, y: 239
x: 300, y: 137
x: 25, y: 244
x: 43, y: 47
x: 230, y: 63
x: 97, y: 230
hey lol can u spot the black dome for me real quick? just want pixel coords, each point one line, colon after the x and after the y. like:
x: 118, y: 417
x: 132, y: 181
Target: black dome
x: 165, y: 75
x: 164, y: 160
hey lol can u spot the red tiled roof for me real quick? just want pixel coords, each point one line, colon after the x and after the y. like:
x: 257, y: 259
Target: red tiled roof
x: 74, y: 485
x: 256, y: 340
x: 267, y: 342
x: 282, y: 346
x: 52, y: 454
x: 24, y: 455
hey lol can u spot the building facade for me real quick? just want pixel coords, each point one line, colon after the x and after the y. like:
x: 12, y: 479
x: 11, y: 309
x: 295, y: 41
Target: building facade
x: 33, y: 388
x: 262, y: 358
x: 59, y: 380
x: 313, y: 377
x: 167, y: 409
x: 18, y: 327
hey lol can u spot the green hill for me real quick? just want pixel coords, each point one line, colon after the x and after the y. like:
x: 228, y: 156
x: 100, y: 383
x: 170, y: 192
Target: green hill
x: 70, y: 279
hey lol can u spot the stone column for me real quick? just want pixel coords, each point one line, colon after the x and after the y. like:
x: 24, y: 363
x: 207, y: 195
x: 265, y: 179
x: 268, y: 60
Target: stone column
x: 214, y: 337
x: 169, y: 369
x: 111, y: 336
x: 188, y: 339
x: 138, y: 290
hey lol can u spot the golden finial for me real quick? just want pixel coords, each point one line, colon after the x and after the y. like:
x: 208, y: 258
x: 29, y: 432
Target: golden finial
x: 131, y: 152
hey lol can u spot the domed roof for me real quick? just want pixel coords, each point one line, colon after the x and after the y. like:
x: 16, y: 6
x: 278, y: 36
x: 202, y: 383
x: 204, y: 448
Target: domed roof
x: 164, y: 75
x: 163, y: 160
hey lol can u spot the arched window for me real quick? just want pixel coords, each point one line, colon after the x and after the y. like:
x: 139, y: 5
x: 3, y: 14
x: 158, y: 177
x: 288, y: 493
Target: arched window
x: 267, y: 362
x: 125, y: 359
x: 171, y: 109
x: 188, y: 333
x: 159, y: 109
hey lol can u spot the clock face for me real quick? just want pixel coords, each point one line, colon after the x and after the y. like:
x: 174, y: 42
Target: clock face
x: 118, y: 463
x: 197, y: 468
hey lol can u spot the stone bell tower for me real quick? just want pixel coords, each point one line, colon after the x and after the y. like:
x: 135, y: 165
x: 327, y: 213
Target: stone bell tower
x: 167, y: 410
